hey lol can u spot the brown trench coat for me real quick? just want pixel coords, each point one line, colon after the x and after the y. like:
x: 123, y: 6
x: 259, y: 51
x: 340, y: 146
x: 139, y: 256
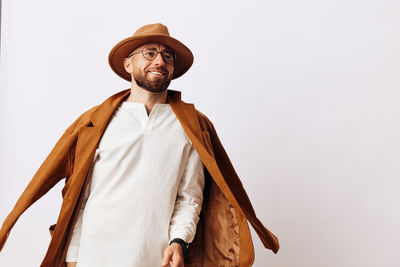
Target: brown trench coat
x: 222, y: 237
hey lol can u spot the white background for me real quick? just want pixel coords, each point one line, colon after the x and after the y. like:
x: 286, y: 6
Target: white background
x: 304, y: 96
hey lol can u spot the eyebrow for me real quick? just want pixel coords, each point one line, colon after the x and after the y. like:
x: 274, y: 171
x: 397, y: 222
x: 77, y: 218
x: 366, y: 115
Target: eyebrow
x: 150, y: 47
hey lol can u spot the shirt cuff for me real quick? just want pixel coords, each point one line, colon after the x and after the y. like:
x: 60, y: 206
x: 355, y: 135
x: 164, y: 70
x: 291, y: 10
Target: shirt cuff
x: 183, y: 237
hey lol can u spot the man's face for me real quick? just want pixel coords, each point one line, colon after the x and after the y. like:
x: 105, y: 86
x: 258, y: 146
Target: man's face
x: 153, y: 75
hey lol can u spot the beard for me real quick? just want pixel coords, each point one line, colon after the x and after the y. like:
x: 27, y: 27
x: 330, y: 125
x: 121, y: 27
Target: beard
x: 157, y: 85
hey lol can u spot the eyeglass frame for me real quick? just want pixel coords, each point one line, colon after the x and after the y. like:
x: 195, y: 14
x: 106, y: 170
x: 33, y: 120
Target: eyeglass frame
x: 157, y: 52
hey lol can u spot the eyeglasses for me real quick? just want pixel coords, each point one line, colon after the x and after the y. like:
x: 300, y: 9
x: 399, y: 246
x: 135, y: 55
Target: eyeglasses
x: 150, y: 53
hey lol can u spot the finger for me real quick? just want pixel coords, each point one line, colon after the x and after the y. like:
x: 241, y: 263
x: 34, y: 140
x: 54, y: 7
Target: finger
x: 166, y: 258
x: 177, y: 260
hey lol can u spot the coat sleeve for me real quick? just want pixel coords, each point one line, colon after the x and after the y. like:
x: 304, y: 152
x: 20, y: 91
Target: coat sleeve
x: 56, y: 166
x: 268, y: 239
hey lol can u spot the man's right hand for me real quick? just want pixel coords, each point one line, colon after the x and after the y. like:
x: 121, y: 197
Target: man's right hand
x: 71, y: 264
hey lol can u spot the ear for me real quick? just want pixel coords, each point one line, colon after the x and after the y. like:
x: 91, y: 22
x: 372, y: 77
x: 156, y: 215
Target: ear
x: 127, y: 65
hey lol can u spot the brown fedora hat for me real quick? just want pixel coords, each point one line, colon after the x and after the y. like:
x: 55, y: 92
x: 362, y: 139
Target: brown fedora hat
x: 150, y: 33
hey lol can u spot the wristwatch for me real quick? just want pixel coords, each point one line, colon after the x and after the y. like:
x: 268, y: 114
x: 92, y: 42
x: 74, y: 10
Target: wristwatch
x: 184, y: 245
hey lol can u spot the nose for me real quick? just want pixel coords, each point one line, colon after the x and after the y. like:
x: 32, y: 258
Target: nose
x: 159, y: 60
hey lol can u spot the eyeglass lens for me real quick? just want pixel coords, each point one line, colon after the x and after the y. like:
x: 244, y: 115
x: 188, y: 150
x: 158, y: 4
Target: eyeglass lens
x: 150, y: 53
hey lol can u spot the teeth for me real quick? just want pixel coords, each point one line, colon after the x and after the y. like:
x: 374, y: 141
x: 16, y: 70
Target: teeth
x: 155, y: 72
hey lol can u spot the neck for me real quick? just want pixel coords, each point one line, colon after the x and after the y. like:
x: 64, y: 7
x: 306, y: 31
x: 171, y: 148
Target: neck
x: 149, y: 99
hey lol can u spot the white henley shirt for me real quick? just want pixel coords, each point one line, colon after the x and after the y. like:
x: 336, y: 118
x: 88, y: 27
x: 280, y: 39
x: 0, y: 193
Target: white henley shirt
x: 145, y: 188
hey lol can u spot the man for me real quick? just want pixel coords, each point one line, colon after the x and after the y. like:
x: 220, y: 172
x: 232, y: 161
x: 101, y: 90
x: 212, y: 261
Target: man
x: 146, y: 175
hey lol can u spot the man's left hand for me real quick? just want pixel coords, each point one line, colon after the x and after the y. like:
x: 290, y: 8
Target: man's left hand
x: 173, y: 255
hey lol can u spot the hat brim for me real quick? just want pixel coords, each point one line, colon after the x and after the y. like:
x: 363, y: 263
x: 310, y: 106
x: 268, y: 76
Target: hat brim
x: 184, y: 57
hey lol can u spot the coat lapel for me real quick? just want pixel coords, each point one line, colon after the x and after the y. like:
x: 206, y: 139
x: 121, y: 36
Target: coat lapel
x: 87, y: 138
x: 187, y: 115
x: 90, y: 135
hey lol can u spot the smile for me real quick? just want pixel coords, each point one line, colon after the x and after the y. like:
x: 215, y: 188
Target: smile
x: 157, y: 73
